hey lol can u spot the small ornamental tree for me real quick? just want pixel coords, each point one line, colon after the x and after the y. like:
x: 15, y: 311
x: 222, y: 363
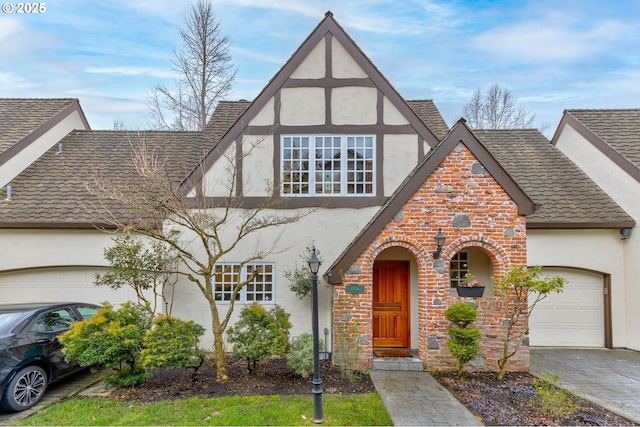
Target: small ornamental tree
x: 148, y: 269
x: 260, y: 334
x: 464, y: 343
x: 528, y: 287
x: 300, y: 276
x: 111, y: 338
x: 172, y: 343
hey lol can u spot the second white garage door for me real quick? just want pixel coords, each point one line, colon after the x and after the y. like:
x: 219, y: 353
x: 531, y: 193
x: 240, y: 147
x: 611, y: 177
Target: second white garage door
x: 58, y: 284
x: 574, y: 318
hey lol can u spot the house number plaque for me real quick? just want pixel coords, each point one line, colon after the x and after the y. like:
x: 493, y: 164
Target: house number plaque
x: 354, y: 288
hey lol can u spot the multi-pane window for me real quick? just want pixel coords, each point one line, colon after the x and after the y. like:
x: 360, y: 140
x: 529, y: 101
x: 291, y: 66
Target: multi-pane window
x: 458, y: 268
x: 260, y: 286
x: 328, y: 165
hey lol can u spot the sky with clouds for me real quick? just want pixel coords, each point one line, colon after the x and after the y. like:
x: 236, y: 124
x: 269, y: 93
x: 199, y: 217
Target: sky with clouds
x: 553, y: 55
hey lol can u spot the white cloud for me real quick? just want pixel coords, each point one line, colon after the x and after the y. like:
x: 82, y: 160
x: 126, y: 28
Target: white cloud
x: 9, y: 27
x: 550, y: 39
x: 12, y: 82
x: 132, y: 71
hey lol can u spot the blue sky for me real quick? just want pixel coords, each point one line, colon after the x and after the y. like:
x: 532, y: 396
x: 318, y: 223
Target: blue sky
x: 552, y: 54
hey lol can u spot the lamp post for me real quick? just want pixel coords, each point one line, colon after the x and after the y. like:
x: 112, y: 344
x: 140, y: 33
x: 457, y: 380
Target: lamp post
x: 314, y: 266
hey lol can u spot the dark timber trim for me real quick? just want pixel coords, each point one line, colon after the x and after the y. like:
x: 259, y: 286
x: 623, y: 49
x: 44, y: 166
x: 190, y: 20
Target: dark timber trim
x: 606, y: 149
x: 459, y: 134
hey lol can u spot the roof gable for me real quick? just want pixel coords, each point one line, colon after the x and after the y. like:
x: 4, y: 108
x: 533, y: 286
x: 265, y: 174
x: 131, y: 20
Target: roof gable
x: 615, y: 132
x: 24, y: 120
x: 460, y: 134
x: 323, y: 35
x: 52, y: 192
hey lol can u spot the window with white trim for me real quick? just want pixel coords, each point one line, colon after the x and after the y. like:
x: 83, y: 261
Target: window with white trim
x: 314, y: 165
x: 260, y: 288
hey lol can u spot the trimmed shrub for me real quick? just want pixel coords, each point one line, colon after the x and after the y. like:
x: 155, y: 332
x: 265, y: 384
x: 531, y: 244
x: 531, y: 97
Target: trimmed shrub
x: 464, y: 343
x: 300, y: 358
x: 260, y: 334
x: 172, y: 343
x: 111, y: 338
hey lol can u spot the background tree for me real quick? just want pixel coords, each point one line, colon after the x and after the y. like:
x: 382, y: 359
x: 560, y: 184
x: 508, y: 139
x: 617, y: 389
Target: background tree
x: 205, y: 74
x: 496, y: 109
x: 152, y: 203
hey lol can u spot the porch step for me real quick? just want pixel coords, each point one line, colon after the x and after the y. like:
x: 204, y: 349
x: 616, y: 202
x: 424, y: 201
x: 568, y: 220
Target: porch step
x: 397, y: 364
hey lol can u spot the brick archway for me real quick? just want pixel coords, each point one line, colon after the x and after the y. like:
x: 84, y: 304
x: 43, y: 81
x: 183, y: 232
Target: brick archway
x: 497, y: 254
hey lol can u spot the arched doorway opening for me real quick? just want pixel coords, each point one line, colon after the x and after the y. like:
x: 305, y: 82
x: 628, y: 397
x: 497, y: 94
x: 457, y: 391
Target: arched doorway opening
x: 395, y: 299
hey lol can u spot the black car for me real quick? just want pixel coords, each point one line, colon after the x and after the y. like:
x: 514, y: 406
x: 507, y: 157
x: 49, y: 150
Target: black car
x: 31, y: 356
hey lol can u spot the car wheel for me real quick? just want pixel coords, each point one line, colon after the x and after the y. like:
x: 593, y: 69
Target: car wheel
x: 25, y: 389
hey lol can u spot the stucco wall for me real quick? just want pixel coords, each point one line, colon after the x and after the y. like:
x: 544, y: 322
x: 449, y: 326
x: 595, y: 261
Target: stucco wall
x: 624, y: 190
x: 38, y: 147
x: 329, y: 229
x: 597, y: 250
x: 400, y: 155
x: 61, y: 263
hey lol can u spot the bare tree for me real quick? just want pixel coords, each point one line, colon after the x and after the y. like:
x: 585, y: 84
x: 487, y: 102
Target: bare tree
x: 153, y: 204
x: 205, y: 74
x: 496, y: 109
x: 118, y: 124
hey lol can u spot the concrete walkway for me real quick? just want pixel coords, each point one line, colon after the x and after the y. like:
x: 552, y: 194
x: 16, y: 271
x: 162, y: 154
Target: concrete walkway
x: 609, y: 378
x: 415, y: 398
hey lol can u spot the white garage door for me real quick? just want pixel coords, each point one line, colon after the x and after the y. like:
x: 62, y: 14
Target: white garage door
x: 574, y: 318
x: 57, y: 284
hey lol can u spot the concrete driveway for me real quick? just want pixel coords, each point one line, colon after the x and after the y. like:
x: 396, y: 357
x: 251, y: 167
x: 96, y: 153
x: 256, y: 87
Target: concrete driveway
x: 609, y: 378
x: 57, y: 392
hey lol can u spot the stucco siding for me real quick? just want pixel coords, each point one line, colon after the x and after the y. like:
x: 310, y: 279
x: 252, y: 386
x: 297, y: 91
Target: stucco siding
x: 624, y: 190
x: 354, y: 106
x: 257, y: 165
x: 329, y: 229
x: 595, y: 250
x: 313, y: 66
x: 302, y: 106
x: 217, y: 179
x: 265, y: 116
x: 25, y: 249
x: 343, y: 65
x: 37, y: 148
x: 391, y: 115
x: 55, y: 265
x: 400, y: 157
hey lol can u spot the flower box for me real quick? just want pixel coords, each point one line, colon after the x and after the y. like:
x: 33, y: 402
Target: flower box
x: 470, y: 291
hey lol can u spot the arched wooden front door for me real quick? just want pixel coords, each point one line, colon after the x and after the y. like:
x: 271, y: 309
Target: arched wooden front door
x: 391, y: 304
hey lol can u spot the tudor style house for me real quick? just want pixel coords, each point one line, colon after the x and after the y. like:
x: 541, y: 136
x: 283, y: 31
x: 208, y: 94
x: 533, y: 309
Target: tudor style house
x: 378, y: 177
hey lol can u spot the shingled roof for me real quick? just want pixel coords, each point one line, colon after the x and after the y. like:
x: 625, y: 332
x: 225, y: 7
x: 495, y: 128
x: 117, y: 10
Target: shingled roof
x: 618, y: 128
x: 51, y: 192
x: 20, y: 117
x: 224, y: 116
x: 427, y: 111
x: 564, y: 196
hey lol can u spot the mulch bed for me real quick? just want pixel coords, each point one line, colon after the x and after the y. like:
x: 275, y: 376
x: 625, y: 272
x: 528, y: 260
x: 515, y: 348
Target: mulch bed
x: 509, y: 402
x: 270, y: 378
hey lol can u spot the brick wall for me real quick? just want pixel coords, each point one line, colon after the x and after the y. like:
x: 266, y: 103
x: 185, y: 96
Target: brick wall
x: 472, y: 210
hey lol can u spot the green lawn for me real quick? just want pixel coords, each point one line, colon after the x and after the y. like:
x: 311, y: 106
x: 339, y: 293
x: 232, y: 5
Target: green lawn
x: 351, y: 410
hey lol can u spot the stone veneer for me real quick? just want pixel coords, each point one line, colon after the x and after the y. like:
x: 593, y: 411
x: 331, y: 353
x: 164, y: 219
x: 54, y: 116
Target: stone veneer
x: 472, y: 210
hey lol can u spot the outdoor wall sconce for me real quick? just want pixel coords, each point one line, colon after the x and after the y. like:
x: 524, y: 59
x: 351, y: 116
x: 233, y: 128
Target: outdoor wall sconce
x: 439, y: 242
